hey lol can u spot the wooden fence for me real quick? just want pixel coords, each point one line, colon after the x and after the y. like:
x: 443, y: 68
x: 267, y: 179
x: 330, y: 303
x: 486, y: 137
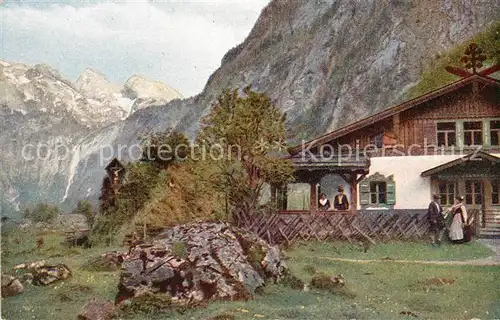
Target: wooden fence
x: 373, y: 226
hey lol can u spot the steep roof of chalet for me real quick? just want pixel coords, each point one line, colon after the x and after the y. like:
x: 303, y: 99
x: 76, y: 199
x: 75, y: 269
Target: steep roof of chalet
x: 394, y: 110
x: 475, y: 156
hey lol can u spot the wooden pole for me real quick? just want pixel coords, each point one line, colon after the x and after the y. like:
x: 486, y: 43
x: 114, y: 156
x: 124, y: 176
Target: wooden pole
x: 313, y: 198
x: 353, y: 183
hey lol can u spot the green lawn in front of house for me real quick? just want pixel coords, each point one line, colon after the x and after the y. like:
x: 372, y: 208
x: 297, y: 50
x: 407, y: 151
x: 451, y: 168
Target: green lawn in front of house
x: 403, y: 250
x: 382, y: 289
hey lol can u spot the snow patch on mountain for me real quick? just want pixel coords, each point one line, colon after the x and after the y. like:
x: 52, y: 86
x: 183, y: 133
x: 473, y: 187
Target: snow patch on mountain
x: 146, y: 93
x: 39, y: 88
x: 96, y: 87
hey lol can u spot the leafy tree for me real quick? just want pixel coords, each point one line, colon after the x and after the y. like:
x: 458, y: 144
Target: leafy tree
x: 247, y: 132
x: 163, y: 148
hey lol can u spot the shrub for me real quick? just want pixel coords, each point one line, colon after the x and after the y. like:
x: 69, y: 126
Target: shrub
x: 42, y: 213
x: 179, y: 249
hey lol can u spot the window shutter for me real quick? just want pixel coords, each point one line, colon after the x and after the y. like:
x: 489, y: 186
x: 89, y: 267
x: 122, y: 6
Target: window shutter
x: 391, y: 193
x: 364, y: 192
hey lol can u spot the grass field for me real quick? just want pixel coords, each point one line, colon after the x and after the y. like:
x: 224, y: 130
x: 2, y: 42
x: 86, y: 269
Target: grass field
x: 381, y: 290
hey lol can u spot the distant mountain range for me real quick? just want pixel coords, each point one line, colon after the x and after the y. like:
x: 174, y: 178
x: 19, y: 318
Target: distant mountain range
x: 38, y: 107
x: 326, y: 63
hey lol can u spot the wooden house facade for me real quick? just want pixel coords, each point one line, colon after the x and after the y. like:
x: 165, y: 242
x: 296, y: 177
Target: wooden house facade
x: 444, y: 142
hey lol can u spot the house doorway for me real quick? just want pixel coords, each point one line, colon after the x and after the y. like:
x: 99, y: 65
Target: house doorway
x: 475, y: 197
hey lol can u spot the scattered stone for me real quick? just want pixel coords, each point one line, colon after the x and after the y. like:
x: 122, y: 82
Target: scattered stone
x: 97, y: 310
x: 408, y: 313
x: 41, y: 274
x: 11, y: 286
x: 200, y: 262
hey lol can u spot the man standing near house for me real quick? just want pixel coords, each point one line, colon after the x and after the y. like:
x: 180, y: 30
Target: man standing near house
x: 340, y: 201
x: 436, y: 220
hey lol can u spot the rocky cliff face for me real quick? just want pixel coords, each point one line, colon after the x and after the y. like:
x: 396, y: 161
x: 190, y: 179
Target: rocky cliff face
x: 325, y: 63
x: 45, y: 120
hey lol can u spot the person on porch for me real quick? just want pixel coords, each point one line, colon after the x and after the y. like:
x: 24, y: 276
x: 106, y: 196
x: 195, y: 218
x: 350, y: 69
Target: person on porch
x: 340, y: 201
x: 459, y: 213
x: 324, y: 203
x: 436, y: 220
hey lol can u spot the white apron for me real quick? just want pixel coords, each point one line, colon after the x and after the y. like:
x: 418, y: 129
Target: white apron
x: 456, y: 230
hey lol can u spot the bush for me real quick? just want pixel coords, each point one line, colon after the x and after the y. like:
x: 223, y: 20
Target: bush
x: 179, y: 249
x: 42, y: 213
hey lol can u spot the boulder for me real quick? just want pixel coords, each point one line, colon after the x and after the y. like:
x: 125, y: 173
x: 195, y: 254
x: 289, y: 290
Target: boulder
x: 200, y: 262
x: 11, y: 286
x: 42, y: 275
x: 97, y: 310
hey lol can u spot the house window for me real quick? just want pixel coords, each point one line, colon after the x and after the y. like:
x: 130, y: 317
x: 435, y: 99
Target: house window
x: 473, y: 133
x: 473, y: 192
x: 495, y: 132
x: 447, y: 191
x: 446, y: 134
x: 378, y: 192
x: 377, y: 140
x: 495, y: 192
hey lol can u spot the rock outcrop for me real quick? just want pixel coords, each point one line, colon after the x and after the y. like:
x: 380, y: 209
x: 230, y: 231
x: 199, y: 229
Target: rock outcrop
x: 11, y: 286
x: 195, y: 263
x: 41, y: 274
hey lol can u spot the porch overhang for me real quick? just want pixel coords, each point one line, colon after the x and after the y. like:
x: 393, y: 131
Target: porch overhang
x: 476, y: 164
x: 321, y: 165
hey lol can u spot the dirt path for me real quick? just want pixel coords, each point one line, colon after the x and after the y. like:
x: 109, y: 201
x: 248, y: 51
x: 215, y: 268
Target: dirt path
x: 494, y: 260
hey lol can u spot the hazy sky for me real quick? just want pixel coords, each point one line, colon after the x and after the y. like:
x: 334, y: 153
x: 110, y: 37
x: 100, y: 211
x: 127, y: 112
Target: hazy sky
x: 177, y: 42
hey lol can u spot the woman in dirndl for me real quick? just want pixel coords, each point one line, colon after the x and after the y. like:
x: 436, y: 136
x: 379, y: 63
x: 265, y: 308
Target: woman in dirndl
x: 459, y: 220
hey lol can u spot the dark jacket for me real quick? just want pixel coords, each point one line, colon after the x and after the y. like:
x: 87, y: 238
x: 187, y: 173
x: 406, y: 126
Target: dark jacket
x: 340, y: 202
x: 435, y: 212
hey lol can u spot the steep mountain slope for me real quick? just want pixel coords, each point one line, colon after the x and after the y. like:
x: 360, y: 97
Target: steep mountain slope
x: 43, y: 121
x: 100, y: 91
x: 41, y: 89
x: 325, y: 63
